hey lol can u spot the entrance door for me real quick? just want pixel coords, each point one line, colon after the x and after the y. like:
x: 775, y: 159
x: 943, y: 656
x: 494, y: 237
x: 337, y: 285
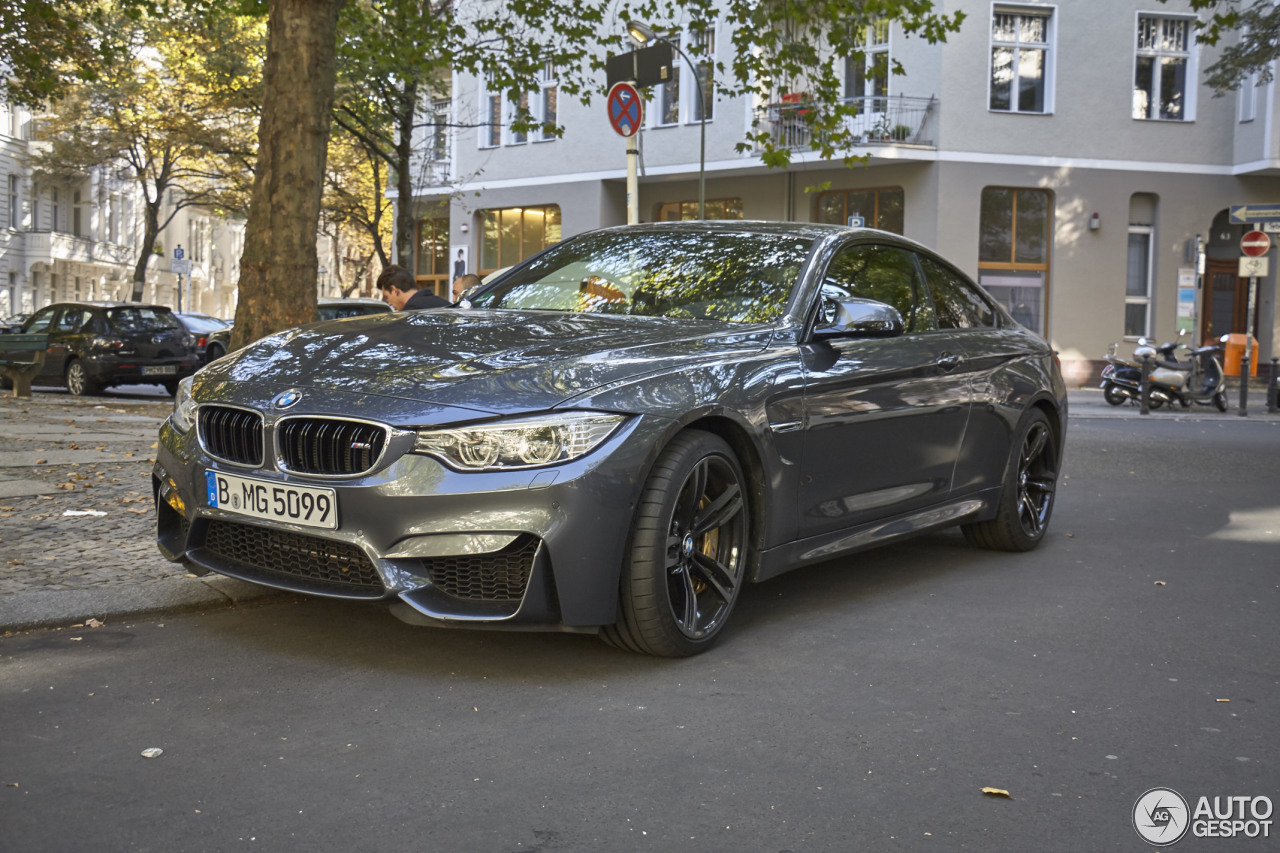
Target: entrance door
x: 1225, y: 305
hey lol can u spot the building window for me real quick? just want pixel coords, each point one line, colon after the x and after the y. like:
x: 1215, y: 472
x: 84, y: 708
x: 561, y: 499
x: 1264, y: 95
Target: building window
x: 491, y: 107
x: 703, y: 51
x: 433, y: 247
x: 1013, y: 252
x: 667, y: 95
x: 1163, y: 69
x: 1249, y: 97
x: 509, y: 235
x: 1020, y: 61
x: 548, y: 97
x: 54, y: 199
x: 75, y: 214
x: 721, y: 208
x: 879, y: 208
x: 1137, y: 286
x: 866, y: 77
x: 14, y: 220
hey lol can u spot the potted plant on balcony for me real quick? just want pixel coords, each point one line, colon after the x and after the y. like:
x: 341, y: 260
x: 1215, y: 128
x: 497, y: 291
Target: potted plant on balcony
x: 900, y: 133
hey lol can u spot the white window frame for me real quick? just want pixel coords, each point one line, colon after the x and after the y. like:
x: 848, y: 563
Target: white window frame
x: 1049, y: 46
x: 1248, y: 102
x: 14, y: 206
x: 490, y: 99
x: 690, y: 84
x: 548, y: 83
x: 1136, y: 299
x: 1191, y: 54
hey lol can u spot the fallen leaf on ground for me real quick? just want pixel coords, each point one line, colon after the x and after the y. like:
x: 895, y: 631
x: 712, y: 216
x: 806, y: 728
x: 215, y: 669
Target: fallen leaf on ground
x: 997, y: 792
x: 93, y: 623
x: 1224, y: 700
x: 152, y: 752
x: 1159, y: 583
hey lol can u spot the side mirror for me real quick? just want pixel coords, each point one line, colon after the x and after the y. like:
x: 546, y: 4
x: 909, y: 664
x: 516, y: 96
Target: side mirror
x: 858, y: 318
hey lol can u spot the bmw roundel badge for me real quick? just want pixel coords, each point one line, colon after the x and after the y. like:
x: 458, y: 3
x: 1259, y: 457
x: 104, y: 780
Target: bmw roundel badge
x: 286, y: 399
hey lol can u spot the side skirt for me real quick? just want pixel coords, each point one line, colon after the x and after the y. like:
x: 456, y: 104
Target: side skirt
x: 794, y: 555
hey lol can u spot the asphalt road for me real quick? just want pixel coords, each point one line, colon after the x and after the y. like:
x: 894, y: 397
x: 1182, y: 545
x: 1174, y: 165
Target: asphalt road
x: 860, y: 705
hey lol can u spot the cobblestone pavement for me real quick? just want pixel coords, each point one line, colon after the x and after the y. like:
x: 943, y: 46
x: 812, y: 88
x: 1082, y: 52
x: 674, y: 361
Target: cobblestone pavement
x: 75, y: 492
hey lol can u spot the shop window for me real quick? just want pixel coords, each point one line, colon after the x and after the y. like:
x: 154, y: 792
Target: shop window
x: 879, y: 208
x: 1013, y: 252
x: 720, y: 208
x: 509, y: 235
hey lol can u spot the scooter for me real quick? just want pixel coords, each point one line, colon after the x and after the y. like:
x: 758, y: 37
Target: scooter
x: 1200, y: 380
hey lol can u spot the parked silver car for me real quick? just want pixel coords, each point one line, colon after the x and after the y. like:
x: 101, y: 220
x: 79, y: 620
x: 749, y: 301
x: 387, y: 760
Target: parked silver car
x: 620, y: 433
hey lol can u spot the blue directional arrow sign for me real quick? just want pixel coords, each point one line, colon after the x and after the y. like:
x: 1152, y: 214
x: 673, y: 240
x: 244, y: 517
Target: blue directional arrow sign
x: 1243, y: 214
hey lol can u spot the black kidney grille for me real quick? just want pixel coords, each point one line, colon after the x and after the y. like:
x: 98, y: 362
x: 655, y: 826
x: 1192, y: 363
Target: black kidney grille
x: 293, y: 560
x: 329, y: 446
x: 501, y: 576
x: 233, y: 435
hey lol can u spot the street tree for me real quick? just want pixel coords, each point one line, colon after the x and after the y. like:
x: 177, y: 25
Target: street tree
x: 160, y: 113
x: 1255, y: 27
x: 777, y: 43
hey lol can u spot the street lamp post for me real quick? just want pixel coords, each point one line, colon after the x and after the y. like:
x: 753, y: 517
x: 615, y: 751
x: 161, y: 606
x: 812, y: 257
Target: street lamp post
x: 642, y: 34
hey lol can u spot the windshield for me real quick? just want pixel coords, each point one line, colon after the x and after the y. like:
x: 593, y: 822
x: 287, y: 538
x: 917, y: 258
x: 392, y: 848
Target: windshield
x: 142, y: 319
x: 203, y: 325
x: 735, y: 277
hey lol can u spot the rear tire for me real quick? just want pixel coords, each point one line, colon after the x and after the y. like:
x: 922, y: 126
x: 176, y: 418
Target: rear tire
x: 687, y: 554
x: 1114, y: 395
x: 214, y: 352
x: 78, y: 381
x: 1026, y: 501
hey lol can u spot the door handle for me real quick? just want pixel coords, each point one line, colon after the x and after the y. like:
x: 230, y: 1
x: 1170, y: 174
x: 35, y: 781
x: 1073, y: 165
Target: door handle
x: 948, y: 362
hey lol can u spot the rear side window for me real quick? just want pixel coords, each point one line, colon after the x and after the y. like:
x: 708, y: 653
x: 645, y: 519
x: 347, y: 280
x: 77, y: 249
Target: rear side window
x: 956, y: 300
x: 142, y: 319
x: 886, y: 274
x: 74, y: 320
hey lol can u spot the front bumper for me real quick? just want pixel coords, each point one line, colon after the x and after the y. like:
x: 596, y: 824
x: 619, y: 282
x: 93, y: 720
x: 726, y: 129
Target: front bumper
x: 533, y: 548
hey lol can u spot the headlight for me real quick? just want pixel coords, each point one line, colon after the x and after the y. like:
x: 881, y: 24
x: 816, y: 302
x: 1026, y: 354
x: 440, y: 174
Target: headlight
x: 523, y: 443
x: 184, y: 407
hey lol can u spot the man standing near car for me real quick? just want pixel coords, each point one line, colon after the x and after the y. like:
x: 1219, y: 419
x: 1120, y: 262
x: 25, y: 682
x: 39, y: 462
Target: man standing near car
x: 401, y: 291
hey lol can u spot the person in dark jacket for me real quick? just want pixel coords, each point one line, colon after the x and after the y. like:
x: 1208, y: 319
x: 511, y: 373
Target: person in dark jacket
x: 401, y: 291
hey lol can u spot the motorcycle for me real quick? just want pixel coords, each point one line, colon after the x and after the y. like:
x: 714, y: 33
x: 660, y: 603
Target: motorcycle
x: 1199, y: 380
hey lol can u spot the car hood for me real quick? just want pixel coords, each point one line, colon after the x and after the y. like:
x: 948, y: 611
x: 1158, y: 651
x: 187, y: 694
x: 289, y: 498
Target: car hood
x: 491, y: 361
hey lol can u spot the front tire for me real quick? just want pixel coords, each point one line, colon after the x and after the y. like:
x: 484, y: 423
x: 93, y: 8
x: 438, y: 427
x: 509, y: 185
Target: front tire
x: 78, y: 381
x: 1026, y: 501
x: 687, y: 553
x: 1220, y: 401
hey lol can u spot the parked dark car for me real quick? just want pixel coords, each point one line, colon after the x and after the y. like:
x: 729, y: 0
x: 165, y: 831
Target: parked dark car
x: 93, y: 345
x: 332, y: 309
x: 620, y: 433
x: 13, y: 324
x: 204, y: 328
x: 327, y: 309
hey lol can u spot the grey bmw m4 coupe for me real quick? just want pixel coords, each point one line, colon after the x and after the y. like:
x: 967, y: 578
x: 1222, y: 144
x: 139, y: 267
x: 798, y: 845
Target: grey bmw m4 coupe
x: 620, y: 433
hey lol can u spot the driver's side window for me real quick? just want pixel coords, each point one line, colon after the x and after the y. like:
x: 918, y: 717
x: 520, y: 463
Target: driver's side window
x: 884, y: 273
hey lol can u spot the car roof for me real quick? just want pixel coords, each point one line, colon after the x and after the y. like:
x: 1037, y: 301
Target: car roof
x: 88, y: 303
x: 353, y: 300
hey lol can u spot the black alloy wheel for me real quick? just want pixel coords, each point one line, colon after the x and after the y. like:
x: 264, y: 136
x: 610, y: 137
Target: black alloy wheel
x: 1026, y: 501
x: 687, y: 556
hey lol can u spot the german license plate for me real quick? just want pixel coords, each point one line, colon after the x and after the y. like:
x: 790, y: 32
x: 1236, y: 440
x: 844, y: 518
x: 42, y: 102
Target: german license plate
x: 305, y: 505
x: 159, y: 370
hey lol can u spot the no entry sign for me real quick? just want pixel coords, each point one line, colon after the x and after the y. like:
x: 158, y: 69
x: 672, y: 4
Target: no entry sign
x: 1255, y: 244
x: 624, y: 109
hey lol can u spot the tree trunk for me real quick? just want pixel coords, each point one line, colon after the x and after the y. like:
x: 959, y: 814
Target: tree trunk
x: 150, y: 231
x: 404, y: 177
x: 278, y: 267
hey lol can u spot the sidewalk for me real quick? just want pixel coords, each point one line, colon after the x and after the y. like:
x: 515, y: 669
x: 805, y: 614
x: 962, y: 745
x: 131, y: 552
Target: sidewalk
x: 77, y: 528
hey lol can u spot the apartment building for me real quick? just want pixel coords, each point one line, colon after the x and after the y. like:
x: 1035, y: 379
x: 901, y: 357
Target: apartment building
x: 1063, y: 153
x: 80, y: 239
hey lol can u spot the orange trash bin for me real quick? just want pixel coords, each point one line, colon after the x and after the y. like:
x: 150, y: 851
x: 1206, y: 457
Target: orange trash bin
x: 1234, y: 355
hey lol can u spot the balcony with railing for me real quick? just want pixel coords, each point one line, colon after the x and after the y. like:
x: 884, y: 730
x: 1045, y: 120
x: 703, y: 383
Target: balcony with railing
x: 879, y: 121
x: 46, y: 247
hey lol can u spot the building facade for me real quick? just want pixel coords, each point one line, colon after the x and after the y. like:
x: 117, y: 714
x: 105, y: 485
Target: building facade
x: 81, y: 239
x: 1065, y: 154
